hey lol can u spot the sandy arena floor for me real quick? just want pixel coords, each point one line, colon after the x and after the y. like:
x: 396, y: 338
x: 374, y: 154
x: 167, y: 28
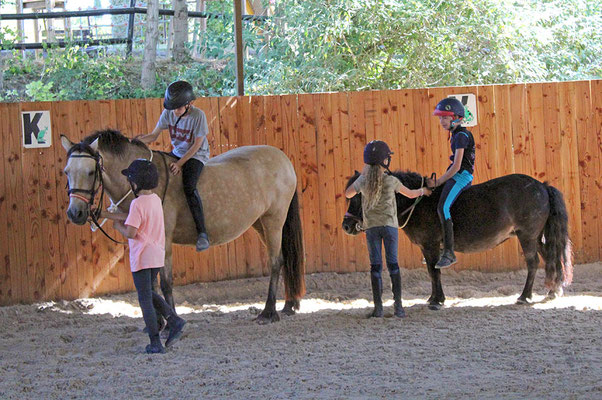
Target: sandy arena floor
x: 480, y: 346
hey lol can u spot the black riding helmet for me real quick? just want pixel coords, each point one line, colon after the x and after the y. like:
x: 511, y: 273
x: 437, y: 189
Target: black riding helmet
x: 178, y: 94
x: 143, y: 173
x: 376, y: 153
x: 449, y: 106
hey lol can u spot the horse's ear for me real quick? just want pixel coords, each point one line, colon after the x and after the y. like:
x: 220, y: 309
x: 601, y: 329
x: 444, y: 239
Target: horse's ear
x: 94, y: 145
x: 356, y: 172
x: 67, y: 144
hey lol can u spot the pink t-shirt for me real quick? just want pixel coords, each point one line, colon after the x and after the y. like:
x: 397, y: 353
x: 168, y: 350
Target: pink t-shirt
x: 147, y: 249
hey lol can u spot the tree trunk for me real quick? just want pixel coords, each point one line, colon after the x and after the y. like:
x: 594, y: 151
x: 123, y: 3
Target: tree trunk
x: 180, y: 31
x: 49, y: 22
x: 199, y: 30
x: 150, y: 45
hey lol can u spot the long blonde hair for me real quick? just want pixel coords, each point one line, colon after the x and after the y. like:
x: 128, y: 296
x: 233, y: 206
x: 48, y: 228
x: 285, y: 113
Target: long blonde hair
x: 374, y: 186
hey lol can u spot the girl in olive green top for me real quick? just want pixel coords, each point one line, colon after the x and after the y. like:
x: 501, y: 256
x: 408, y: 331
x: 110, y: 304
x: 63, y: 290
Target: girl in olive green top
x: 379, y: 210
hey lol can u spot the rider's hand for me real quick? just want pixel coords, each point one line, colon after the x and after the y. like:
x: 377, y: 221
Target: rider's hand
x: 426, y: 191
x: 175, y: 168
x: 431, y: 183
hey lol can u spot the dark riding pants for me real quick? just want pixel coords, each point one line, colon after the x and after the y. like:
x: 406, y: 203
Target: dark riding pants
x: 149, y: 299
x: 191, y: 171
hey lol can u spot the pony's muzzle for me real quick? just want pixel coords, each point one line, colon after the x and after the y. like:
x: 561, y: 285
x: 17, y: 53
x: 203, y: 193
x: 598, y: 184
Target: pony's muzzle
x: 351, y: 227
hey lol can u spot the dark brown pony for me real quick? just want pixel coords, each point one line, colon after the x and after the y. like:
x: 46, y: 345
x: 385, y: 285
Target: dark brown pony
x: 250, y: 186
x: 484, y: 216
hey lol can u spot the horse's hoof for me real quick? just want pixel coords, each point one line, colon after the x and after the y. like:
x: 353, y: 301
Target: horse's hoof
x: 435, y: 306
x: 267, y: 318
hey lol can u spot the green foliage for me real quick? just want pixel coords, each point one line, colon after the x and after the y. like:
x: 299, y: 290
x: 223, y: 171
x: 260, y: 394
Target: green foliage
x: 40, y: 91
x: 385, y: 44
x: 337, y: 45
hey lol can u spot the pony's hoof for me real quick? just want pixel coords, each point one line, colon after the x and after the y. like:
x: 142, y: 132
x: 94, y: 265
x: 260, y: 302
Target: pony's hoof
x: 289, y: 308
x: 522, y: 301
x: 555, y: 293
x: 435, y: 306
x: 267, y: 318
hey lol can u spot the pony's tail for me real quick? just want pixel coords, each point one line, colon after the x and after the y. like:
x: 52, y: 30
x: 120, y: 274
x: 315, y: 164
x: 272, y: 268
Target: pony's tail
x: 293, y: 254
x: 557, y: 249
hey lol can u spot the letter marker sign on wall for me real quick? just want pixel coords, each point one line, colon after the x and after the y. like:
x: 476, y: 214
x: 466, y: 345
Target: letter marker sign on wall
x: 36, y: 129
x: 470, y: 104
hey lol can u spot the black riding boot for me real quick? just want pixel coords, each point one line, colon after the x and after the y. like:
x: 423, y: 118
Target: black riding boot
x: 377, y: 289
x: 196, y: 207
x: 448, y: 258
x: 176, y: 328
x: 396, y: 286
x: 155, y: 345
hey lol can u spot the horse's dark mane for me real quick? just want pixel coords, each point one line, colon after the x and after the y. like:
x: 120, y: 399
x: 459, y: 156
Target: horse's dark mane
x: 109, y: 141
x: 410, y: 179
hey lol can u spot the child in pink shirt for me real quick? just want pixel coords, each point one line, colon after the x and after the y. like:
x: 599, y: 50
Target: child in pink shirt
x: 144, y: 228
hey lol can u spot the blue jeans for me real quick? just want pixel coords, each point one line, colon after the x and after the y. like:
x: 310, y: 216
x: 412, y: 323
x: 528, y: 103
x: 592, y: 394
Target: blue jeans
x: 375, y: 238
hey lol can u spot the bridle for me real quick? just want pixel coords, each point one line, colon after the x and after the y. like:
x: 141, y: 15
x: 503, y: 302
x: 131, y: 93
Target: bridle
x: 95, y: 212
x: 74, y: 192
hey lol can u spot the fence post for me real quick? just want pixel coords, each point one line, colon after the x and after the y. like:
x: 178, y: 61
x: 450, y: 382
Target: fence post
x: 131, y: 28
x: 240, y: 83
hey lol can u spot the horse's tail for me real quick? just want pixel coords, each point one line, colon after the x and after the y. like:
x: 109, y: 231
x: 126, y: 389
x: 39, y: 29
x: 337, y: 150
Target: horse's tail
x: 293, y: 254
x: 557, y: 249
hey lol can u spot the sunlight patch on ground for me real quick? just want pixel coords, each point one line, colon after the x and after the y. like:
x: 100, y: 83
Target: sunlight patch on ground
x: 118, y: 308
x: 579, y: 302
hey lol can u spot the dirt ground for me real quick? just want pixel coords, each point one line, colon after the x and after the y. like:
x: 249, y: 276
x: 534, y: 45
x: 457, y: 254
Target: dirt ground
x: 480, y: 346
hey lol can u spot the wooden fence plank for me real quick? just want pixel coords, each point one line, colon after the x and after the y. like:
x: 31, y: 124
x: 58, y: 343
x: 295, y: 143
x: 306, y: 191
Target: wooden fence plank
x: 357, y: 142
x: 503, y: 142
x: 10, y: 289
x: 588, y: 171
x: 341, y: 157
x: 596, y: 92
x: 309, y: 181
x: 325, y: 188
x: 49, y: 213
x: 570, y: 163
x: 408, y: 161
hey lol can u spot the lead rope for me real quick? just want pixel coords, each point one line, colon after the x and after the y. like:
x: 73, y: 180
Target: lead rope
x: 411, y: 209
x: 113, y: 207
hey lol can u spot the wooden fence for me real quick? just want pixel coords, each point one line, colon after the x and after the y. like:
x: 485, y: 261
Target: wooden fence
x: 551, y: 131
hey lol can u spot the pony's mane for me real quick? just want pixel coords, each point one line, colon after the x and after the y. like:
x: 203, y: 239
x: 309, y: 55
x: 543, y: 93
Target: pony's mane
x: 109, y: 141
x: 410, y: 179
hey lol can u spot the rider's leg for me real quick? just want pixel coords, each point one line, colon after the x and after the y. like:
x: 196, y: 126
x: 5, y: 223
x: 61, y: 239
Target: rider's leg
x: 191, y: 170
x: 451, y: 190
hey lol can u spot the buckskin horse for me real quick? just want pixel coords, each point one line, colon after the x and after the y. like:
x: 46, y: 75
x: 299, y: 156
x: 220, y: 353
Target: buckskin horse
x: 484, y: 216
x: 250, y: 186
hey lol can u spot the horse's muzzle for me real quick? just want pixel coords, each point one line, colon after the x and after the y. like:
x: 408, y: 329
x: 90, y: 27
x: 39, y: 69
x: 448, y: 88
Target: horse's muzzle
x: 77, y: 215
x: 351, y: 227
